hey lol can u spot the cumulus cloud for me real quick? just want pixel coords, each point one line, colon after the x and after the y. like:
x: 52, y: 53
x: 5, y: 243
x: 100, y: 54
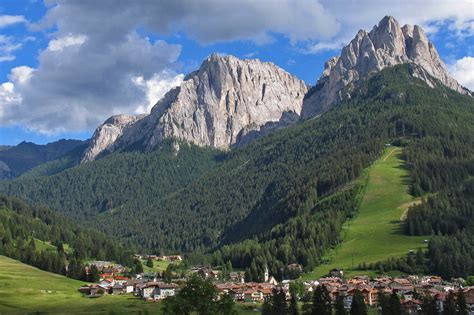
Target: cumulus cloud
x: 7, y: 20
x: 98, y: 63
x: 66, y: 41
x: 457, y: 15
x: 79, y: 83
x: 155, y: 88
x: 463, y: 71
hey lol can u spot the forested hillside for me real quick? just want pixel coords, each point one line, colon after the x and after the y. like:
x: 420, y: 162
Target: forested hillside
x: 278, y: 200
x: 26, y: 155
x: 24, y: 227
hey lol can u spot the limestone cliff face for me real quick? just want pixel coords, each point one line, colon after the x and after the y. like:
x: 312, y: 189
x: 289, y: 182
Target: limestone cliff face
x: 106, y: 135
x: 224, y: 103
x: 386, y: 45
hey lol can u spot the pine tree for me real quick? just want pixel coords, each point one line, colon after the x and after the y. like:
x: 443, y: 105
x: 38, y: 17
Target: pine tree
x: 450, y: 304
x: 294, y: 305
x: 321, y: 301
x: 279, y: 305
x: 358, y: 306
x: 428, y: 305
x: 94, y: 274
x: 394, y: 304
x: 267, y: 308
x: 461, y: 303
x: 340, y: 309
x: 149, y: 262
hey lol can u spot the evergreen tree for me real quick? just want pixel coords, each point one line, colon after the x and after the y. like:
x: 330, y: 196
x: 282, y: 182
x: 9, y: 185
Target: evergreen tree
x: 94, y: 274
x: 279, y: 304
x: 428, y: 305
x: 358, y: 306
x: 340, y: 309
x: 149, y: 262
x: 294, y: 305
x: 226, y: 305
x: 450, y: 304
x: 461, y: 303
x: 267, y: 308
x: 321, y: 301
x: 137, y: 266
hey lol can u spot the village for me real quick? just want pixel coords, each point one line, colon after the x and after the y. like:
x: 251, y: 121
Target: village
x: 153, y: 287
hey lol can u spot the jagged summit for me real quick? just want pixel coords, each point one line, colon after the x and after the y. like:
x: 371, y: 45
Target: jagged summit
x: 387, y: 44
x: 218, y: 105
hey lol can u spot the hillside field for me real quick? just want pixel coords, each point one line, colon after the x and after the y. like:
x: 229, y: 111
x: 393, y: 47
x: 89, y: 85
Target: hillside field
x: 375, y: 233
x: 25, y: 289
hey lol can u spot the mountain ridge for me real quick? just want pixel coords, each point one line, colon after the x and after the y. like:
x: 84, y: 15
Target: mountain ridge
x: 387, y: 44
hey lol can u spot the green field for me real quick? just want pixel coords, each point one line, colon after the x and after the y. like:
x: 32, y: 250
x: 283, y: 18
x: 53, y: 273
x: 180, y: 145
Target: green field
x: 24, y: 289
x: 375, y: 233
x: 158, y: 266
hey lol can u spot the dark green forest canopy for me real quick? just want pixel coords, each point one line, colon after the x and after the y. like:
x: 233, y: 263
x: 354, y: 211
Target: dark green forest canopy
x: 280, y: 199
x: 24, y: 226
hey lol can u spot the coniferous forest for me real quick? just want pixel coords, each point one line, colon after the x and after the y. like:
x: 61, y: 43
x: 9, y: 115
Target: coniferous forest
x: 42, y: 238
x: 283, y: 198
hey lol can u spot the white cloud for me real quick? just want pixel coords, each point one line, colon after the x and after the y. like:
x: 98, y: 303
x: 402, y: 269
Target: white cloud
x: 66, y: 41
x: 7, y: 20
x: 8, y: 98
x: 8, y: 45
x: 324, y: 46
x: 353, y: 15
x: 21, y: 75
x: 155, y: 88
x: 463, y: 71
x: 95, y: 51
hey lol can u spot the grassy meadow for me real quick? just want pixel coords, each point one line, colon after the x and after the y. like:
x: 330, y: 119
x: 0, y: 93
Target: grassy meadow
x: 375, y: 233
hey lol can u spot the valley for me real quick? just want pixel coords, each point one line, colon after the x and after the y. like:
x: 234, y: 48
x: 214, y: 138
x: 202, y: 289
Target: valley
x: 242, y: 189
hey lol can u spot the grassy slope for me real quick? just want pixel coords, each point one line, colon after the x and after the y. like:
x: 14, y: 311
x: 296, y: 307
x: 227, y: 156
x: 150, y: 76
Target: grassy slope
x: 158, y: 266
x: 24, y: 288
x: 375, y: 234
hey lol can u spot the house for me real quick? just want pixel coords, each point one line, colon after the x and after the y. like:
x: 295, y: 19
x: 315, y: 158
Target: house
x: 410, y: 306
x: 237, y: 294
x: 158, y: 290
x: 253, y: 296
x: 118, y: 289
x: 336, y: 272
x: 236, y: 277
x: 469, y: 294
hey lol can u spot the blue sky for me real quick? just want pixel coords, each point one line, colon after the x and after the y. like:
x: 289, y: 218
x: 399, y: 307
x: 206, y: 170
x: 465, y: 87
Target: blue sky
x: 65, y: 66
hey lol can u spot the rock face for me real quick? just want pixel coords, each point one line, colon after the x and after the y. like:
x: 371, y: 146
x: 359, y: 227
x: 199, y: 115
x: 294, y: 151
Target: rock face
x: 225, y: 102
x: 386, y: 45
x: 106, y: 134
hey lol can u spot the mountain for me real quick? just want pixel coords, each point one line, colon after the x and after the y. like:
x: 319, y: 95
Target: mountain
x: 386, y: 45
x: 280, y: 199
x: 222, y: 104
x: 16, y: 160
x: 106, y: 134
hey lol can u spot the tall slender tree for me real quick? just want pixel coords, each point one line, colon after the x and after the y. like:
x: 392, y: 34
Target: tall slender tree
x: 321, y: 301
x: 358, y: 306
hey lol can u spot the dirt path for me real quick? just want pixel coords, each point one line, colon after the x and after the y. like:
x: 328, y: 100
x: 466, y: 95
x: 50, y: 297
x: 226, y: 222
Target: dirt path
x: 388, y: 155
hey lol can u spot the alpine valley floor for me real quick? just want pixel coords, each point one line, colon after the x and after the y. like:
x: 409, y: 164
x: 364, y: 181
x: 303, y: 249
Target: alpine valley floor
x: 375, y: 234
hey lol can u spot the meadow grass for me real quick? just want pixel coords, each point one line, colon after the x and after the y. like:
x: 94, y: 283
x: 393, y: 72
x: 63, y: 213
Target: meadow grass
x: 25, y: 289
x: 375, y: 234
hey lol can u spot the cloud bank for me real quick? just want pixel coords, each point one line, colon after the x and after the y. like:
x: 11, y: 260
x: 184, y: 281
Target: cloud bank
x: 99, y: 62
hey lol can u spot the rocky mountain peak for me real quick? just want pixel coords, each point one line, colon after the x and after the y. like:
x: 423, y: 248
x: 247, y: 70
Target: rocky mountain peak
x: 106, y: 134
x: 220, y: 105
x: 387, y: 44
